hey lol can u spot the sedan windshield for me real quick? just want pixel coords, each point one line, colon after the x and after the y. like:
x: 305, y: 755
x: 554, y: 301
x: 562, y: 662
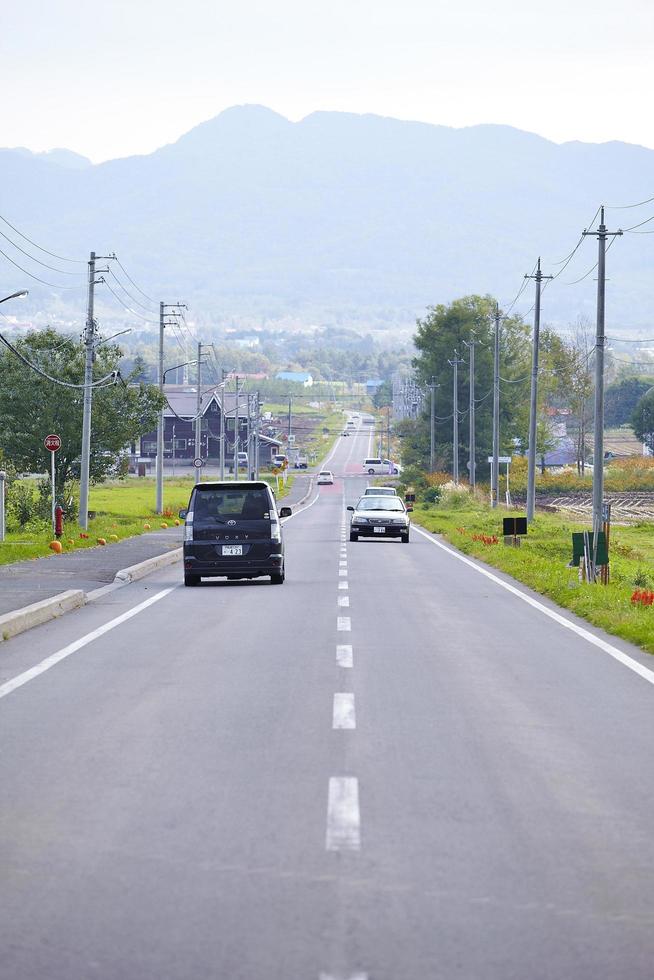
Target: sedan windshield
x: 380, y: 503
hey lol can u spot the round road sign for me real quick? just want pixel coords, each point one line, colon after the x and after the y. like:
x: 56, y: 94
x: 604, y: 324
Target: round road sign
x: 198, y: 462
x: 52, y: 442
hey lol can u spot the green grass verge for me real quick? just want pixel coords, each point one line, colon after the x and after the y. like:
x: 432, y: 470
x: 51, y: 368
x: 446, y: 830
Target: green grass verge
x: 541, y: 563
x: 123, y: 509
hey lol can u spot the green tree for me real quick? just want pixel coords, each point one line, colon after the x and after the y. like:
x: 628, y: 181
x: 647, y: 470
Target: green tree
x: 31, y: 406
x: 642, y: 420
x: 383, y: 395
x: 621, y: 398
x: 446, y: 329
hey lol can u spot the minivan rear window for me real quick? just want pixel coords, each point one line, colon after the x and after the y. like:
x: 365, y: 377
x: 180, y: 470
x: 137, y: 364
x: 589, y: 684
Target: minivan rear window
x: 239, y: 504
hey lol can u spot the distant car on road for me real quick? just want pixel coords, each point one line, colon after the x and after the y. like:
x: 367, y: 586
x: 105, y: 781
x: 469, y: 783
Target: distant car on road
x: 279, y: 460
x: 325, y: 477
x: 233, y: 530
x: 345, y: 433
x: 380, y: 517
x: 301, y: 462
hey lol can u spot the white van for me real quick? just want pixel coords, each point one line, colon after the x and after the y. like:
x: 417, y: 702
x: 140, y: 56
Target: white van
x: 378, y: 465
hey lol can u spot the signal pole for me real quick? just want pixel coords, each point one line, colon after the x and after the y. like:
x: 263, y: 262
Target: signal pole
x: 455, y: 418
x: 533, y: 407
x: 598, y: 441
x: 495, y: 481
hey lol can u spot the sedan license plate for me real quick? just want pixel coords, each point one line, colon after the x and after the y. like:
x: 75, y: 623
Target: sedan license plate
x: 379, y: 530
x: 232, y: 549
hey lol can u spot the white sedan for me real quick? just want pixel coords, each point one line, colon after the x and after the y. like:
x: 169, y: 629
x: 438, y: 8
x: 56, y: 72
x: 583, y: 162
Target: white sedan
x: 325, y: 476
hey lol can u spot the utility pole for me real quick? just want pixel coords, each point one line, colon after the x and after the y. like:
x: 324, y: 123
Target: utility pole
x: 222, y: 426
x: 533, y: 406
x: 472, y: 448
x: 159, y: 464
x: 89, y: 344
x: 257, y: 426
x: 598, y: 442
x: 289, y: 421
x: 237, y: 433
x: 89, y: 336
x: 495, y: 475
x: 432, y: 423
x: 455, y: 418
x: 388, y: 431
x: 198, y: 417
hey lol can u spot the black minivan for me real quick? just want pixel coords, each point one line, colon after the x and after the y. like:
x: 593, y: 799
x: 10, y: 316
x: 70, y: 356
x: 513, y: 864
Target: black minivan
x: 233, y: 530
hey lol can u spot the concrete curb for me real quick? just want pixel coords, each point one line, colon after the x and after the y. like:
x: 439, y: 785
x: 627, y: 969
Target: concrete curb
x: 20, y: 620
x: 143, y: 568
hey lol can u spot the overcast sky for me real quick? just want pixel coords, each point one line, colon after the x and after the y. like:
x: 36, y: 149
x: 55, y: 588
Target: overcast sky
x: 120, y: 77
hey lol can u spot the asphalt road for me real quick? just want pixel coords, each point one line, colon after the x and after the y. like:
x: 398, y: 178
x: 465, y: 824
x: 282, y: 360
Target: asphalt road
x: 392, y: 767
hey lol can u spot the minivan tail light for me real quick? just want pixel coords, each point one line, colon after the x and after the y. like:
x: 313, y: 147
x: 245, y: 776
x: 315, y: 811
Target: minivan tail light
x: 275, y: 532
x: 188, y: 527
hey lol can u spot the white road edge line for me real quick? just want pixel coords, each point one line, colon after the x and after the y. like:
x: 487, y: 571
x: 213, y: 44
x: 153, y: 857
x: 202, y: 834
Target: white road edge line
x: 343, y: 817
x: 9, y: 686
x: 344, y: 655
x: 344, y: 714
x: 585, y: 634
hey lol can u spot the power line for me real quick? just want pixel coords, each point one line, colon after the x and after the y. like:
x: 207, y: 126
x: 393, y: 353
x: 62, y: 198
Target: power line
x: 125, y: 306
x: 53, y: 285
x: 645, y: 222
x: 136, y: 286
x: 626, y: 207
x: 33, y: 258
x: 54, y: 255
x: 131, y: 296
x: 106, y: 382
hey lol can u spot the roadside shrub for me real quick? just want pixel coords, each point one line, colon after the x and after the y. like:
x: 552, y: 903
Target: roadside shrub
x: 641, y: 579
x: 21, y: 505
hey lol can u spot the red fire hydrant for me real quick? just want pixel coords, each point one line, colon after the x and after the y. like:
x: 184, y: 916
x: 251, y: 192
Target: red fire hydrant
x: 59, y: 521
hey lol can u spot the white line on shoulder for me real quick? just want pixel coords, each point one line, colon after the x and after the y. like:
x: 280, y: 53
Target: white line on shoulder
x: 585, y: 634
x: 83, y: 641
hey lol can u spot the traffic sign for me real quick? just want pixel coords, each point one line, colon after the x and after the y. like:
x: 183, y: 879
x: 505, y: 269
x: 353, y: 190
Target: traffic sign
x: 52, y: 442
x: 198, y: 462
x: 500, y: 459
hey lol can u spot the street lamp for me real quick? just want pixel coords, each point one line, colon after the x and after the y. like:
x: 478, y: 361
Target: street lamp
x: 176, y: 367
x: 19, y: 295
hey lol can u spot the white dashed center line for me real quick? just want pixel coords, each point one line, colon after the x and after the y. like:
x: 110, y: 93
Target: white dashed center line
x: 340, y: 976
x: 343, y: 623
x: 344, y: 600
x: 344, y: 714
x: 343, y: 819
x: 342, y: 571
x: 344, y: 655
x: 343, y: 585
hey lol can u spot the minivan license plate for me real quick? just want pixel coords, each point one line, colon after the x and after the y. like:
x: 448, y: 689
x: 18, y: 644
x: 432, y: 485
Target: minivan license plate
x: 379, y: 530
x: 232, y: 549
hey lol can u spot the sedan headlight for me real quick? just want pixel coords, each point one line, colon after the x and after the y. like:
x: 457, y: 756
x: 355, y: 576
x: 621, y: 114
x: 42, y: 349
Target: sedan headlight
x: 359, y: 520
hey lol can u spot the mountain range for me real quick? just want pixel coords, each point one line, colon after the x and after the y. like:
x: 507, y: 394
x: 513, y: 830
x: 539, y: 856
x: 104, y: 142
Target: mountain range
x: 344, y: 219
